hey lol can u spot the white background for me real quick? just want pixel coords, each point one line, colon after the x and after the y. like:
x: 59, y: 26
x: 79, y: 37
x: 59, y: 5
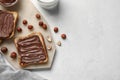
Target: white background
x: 92, y: 48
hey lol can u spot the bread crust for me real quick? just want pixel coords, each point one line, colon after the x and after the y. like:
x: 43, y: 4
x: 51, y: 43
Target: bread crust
x: 43, y: 44
x: 15, y: 14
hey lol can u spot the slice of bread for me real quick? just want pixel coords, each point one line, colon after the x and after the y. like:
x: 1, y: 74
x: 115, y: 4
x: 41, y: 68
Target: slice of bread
x: 15, y: 15
x: 41, y: 39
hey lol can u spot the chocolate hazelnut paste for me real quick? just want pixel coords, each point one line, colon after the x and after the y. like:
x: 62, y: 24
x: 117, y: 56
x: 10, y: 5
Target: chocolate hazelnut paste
x: 6, y: 24
x: 31, y: 50
x: 7, y: 1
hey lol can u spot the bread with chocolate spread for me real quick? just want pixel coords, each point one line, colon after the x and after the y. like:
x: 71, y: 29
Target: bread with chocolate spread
x: 31, y: 49
x: 8, y: 21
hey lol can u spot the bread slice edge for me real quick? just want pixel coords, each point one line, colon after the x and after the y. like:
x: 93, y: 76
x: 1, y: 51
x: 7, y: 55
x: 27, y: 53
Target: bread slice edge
x: 15, y: 15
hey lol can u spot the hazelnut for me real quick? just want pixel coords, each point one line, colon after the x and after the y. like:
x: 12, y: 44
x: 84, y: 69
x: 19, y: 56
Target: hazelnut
x: 49, y: 47
x: 59, y: 43
x: 19, y: 29
x: 4, y: 49
x: 25, y: 22
x: 55, y: 29
x: 38, y: 16
x: 22, y: 64
x: 49, y: 39
x: 13, y: 55
x: 30, y: 27
x: 41, y: 23
x: 63, y: 36
x: 44, y: 26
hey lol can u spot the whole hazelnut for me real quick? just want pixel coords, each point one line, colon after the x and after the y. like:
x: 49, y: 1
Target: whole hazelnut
x: 25, y: 22
x: 55, y: 29
x: 63, y: 36
x: 19, y: 29
x: 4, y: 49
x: 38, y: 16
x: 44, y: 26
x: 41, y: 23
x: 30, y: 27
x: 13, y: 55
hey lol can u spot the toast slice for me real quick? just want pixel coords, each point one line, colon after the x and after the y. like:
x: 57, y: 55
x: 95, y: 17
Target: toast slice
x: 8, y: 20
x: 31, y: 49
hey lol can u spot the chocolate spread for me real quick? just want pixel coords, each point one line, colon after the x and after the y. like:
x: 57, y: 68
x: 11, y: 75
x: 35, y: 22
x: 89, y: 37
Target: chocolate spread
x: 6, y: 24
x: 31, y: 50
x: 7, y: 1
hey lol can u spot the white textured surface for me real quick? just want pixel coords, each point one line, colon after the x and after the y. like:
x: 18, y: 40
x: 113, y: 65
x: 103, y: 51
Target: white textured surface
x: 92, y: 49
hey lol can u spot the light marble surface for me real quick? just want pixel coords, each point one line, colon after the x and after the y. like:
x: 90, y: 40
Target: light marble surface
x: 92, y: 49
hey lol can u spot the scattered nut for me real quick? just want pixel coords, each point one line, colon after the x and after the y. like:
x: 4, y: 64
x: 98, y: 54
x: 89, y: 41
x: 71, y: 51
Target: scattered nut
x: 49, y: 47
x: 22, y: 64
x: 13, y: 55
x: 4, y: 49
x: 59, y: 43
x: 41, y: 23
x: 38, y: 16
x: 63, y: 36
x: 49, y: 39
x: 44, y: 26
x: 30, y: 27
x: 25, y: 22
x: 55, y: 29
x: 19, y: 29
